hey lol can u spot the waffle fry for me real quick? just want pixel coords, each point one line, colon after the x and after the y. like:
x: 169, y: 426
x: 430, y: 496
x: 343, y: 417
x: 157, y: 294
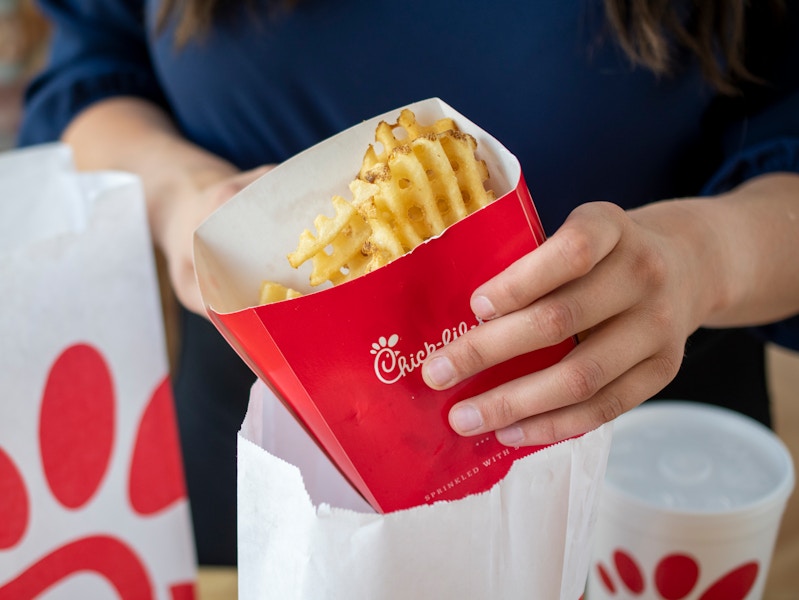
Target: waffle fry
x: 345, y: 234
x: 275, y: 292
x: 429, y: 184
x: 386, y: 136
x: 423, y: 179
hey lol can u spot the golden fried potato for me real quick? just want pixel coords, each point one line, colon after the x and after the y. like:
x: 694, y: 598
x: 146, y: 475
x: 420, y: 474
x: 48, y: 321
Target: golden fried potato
x: 275, y: 292
x: 423, y: 179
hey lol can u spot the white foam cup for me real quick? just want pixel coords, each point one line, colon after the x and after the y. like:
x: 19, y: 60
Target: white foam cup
x: 691, y: 507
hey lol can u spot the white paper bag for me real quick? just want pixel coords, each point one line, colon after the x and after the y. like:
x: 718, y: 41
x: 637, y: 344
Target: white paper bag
x: 92, y: 496
x: 528, y: 537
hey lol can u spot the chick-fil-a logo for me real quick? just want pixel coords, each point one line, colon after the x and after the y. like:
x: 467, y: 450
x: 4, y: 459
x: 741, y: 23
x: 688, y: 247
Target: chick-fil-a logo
x: 391, y: 365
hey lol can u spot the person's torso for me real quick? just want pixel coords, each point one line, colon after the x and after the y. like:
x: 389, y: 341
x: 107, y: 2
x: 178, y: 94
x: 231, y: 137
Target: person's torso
x: 545, y: 78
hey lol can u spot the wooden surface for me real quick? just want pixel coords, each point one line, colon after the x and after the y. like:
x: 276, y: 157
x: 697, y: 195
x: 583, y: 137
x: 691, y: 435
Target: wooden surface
x: 217, y: 583
x: 783, y: 583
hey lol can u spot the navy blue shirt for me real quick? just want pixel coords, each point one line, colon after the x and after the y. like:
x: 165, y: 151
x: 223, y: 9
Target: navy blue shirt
x: 544, y: 77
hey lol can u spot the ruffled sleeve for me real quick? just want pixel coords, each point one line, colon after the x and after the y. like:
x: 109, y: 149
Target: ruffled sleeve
x: 760, y: 143
x: 779, y: 154
x: 98, y: 49
x: 761, y: 134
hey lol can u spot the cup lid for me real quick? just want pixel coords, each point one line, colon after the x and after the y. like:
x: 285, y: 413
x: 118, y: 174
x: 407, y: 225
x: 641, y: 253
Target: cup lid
x: 687, y: 457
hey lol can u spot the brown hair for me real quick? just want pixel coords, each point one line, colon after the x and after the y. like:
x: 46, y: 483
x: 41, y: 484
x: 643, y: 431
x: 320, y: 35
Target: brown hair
x: 195, y: 18
x: 650, y: 32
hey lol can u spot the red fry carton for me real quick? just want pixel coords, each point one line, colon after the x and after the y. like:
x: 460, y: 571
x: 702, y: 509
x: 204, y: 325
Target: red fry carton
x: 346, y: 360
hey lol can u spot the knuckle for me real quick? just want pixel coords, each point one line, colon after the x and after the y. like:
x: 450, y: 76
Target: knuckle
x: 576, y: 249
x: 663, y: 316
x: 666, y: 365
x: 554, y: 321
x: 500, y: 407
x: 582, y: 379
x: 512, y: 292
x: 470, y: 354
x: 651, y: 267
x: 502, y: 410
x: 548, y: 431
x: 607, y: 409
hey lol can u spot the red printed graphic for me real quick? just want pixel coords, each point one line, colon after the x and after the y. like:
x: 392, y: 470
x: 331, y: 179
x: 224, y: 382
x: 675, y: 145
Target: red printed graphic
x: 76, y: 441
x: 604, y: 576
x: 78, y: 397
x: 675, y: 577
x: 629, y: 572
x: 182, y: 591
x: 735, y: 584
x: 156, y: 478
x: 14, y: 503
x: 104, y: 556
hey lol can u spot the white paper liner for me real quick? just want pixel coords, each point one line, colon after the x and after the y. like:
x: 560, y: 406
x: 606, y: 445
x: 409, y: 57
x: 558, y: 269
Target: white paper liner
x: 528, y: 537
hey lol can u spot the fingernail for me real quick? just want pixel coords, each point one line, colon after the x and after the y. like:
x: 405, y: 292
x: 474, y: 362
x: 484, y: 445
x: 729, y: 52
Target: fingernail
x: 482, y: 307
x: 465, y: 418
x: 510, y: 436
x: 439, y: 371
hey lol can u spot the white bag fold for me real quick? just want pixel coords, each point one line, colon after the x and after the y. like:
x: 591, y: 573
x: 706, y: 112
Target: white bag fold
x: 78, y: 280
x: 527, y: 537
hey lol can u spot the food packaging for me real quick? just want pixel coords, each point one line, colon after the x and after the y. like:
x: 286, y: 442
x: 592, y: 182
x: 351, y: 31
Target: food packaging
x: 346, y: 359
x: 691, y: 506
x: 92, y: 495
x: 304, y: 533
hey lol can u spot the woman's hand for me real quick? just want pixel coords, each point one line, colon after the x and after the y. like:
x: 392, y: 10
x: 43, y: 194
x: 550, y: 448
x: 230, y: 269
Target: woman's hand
x: 183, y: 214
x: 183, y: 183
x: 633, y: 285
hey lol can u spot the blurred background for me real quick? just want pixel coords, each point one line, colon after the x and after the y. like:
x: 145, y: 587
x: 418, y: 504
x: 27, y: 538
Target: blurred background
x: 23, y: 38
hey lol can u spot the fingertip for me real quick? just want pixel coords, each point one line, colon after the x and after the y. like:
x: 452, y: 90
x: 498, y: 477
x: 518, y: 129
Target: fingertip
x: 483, y: 308
x: 465, y: 419
x: 439, y: 372
x: 511, y: 436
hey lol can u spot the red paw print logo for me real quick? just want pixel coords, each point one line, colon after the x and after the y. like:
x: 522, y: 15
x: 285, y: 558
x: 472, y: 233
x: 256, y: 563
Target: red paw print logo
x: 675, y: 577
x: 78, y: 442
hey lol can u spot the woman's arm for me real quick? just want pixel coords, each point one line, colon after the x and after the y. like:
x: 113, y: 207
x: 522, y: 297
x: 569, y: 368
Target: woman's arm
x: 755, y: 230
x: 100, y: 94
x: 183, y: 183
x: 635, y: 285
